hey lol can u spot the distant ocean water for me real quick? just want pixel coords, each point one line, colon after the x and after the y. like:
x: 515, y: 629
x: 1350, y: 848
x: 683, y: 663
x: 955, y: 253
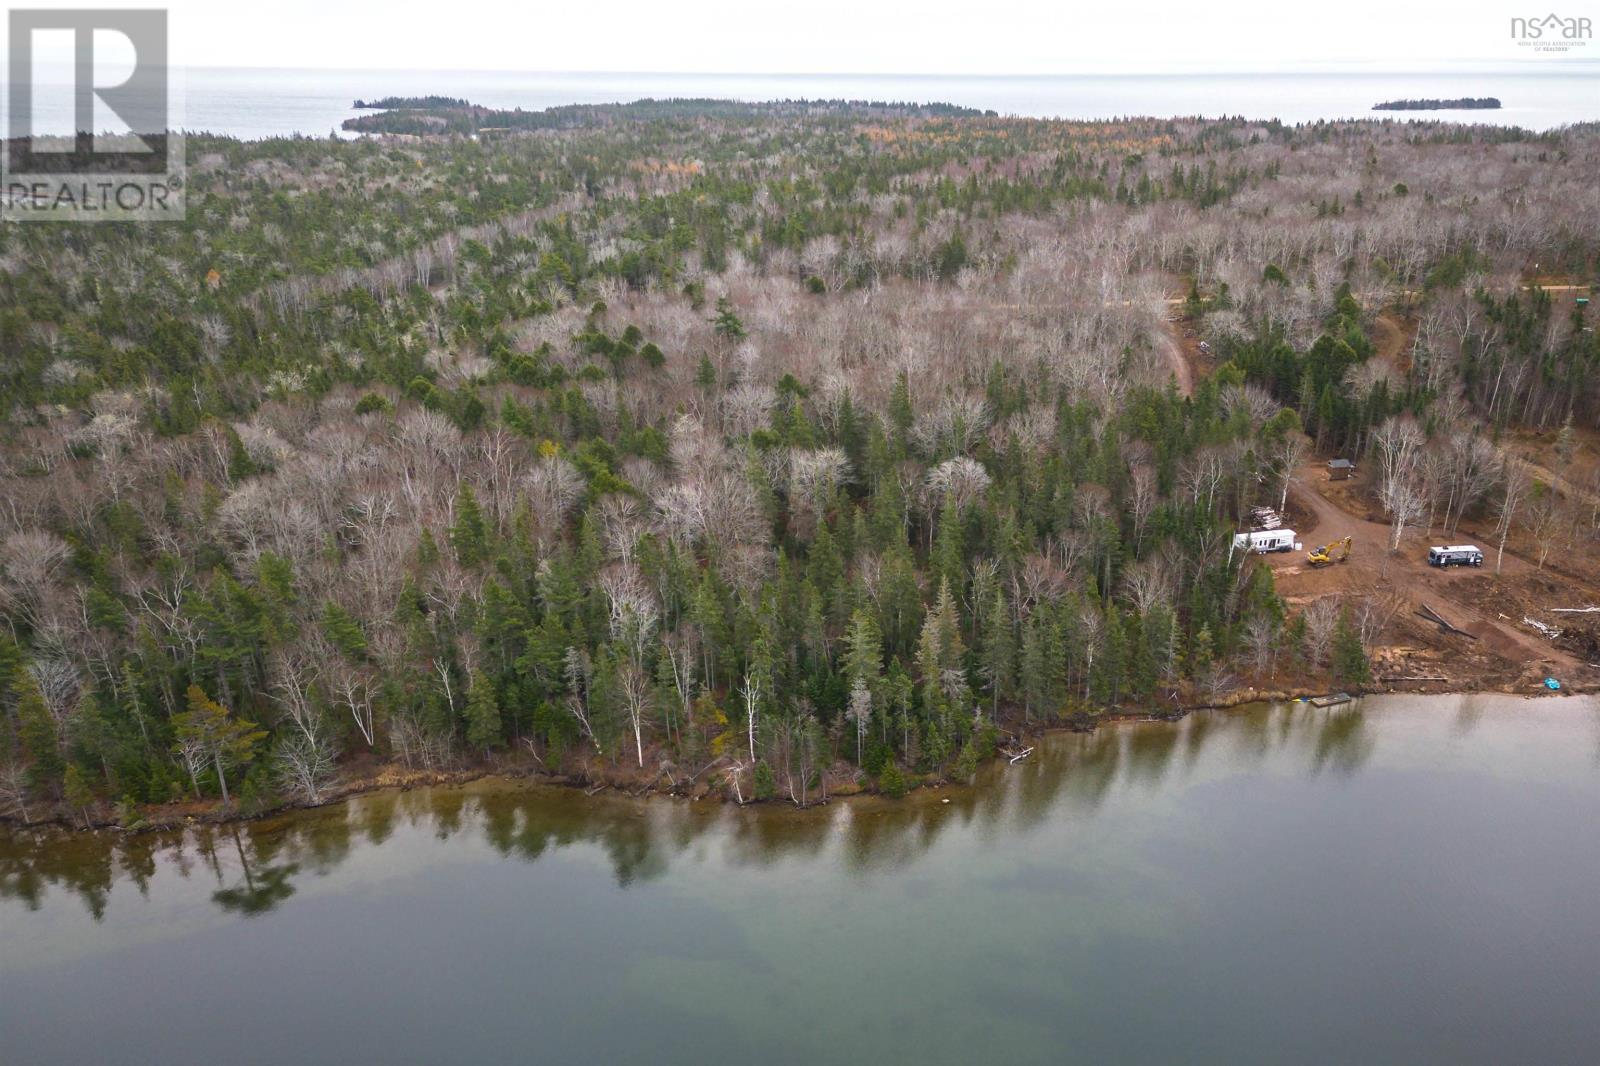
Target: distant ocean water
x: 257, y: 103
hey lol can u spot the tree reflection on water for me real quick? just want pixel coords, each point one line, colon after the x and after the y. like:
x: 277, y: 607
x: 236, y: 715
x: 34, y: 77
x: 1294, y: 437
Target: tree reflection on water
x: 256, y: 866
x: 260, y: 888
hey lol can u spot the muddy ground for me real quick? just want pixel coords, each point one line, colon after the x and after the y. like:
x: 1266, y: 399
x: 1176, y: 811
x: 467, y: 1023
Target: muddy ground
x: 1497, y: 649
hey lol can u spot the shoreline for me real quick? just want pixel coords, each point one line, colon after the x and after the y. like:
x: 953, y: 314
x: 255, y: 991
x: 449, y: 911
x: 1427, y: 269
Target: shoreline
x: 397, y: 780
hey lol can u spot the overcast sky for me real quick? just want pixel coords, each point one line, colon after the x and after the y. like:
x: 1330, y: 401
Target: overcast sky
x: 854, y: 36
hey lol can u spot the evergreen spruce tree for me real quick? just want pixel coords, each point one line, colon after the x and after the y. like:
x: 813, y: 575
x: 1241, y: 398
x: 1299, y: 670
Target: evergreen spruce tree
x: 946, y: 616
x: 930, y: 660
x: 1112, y: 661
x: 469, y: 534
x: 482, y: 714
x: 705, y: 374
x: 37, y: 731
x: 1200, y: 655
x: 999, y: 651
x: 727, y: 322
x: 76, y: 791
x: 1037, y: 690
x: 891, y: 781
x: 1350, y: 665
x: 427, y: 549
x: 949, y: 547
x: 863, y: 662
x: 343, y: 631
x: 901, y: 414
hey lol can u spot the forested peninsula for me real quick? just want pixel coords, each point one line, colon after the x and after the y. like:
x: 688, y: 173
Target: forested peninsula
x: 418, y: 116
x: 773, y: 451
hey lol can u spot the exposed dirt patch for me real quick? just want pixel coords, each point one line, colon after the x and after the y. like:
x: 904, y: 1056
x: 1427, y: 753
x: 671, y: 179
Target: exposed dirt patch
x: 1543, y: 598
x: 1200, y: 360
x: 1498, y: 650
x: 1394, y: 334
x: 1181, y: 339
x: 1572, y: 467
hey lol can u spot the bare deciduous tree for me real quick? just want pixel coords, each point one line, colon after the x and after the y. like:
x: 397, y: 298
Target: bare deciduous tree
x: 305, y: 765
x: 1321, y: 616
x: 1514, y: 490
x: 1262, y: 636
x: 1398, y: 443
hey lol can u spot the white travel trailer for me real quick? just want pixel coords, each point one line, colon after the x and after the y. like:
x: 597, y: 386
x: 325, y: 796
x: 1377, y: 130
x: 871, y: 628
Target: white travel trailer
x: 1456, y: 555
x: 1265, y: 540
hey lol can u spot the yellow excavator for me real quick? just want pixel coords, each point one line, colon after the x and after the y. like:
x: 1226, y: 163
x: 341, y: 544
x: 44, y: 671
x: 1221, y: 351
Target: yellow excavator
x: 1335, y: 552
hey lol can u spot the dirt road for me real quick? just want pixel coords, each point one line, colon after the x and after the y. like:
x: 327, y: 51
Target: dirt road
x: 1172, y: 348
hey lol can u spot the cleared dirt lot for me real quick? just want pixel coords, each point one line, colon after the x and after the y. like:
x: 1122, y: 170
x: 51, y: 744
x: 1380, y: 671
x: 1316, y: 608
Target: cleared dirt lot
x: 1501, y: 652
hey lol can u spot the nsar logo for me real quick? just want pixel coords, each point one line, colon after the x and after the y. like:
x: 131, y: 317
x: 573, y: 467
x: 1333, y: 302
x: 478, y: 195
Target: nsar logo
x: 1552, y: 33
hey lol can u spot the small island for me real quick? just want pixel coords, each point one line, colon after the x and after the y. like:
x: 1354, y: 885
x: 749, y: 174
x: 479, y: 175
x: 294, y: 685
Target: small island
x: 1465, y: 103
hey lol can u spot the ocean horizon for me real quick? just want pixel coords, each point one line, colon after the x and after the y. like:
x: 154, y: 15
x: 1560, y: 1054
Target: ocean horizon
x: 256, y: 103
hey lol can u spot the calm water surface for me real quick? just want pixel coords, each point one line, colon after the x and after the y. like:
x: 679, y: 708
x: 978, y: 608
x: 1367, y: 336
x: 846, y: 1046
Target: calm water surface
x: 1412, y: 880
x: 256, y: 103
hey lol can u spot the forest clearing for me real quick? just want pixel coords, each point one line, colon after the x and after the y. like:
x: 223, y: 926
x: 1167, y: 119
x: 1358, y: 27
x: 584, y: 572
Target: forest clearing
x: 1408, y: 652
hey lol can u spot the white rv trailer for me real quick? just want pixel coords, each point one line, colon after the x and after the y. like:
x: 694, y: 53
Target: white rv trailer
x: 1456, y: 555
x: 1262, y: 541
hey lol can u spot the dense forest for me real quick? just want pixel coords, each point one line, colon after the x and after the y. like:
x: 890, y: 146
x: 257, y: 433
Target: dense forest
x: 762, y: 447
x: 1461, y: 103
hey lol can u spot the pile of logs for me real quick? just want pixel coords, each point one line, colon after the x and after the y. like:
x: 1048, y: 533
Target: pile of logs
x: 1265, y: 518
x: 1438, y: 619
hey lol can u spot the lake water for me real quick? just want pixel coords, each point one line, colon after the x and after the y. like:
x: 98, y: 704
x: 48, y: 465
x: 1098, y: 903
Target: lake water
x: 257, y: 103
x: 1410, y: 880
